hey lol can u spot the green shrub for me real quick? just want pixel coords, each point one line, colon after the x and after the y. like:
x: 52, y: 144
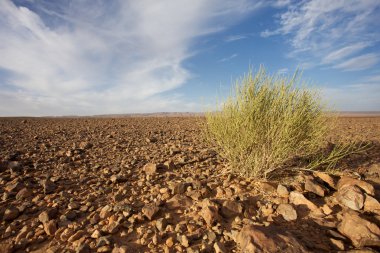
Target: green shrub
x: 267, y: 120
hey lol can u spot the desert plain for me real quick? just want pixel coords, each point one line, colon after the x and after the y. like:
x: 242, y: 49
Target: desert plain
x: 152, y: 184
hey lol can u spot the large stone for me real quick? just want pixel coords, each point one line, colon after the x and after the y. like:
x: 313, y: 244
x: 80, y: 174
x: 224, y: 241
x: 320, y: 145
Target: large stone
x: 314, y: 187
x: 282, y: 191
x: 179, y: 201
x: 11, y: 213
x: 231, y: 208
x: 329, y: 179
x: 348, y: 181
x: 287, y: 211
x: 50, y: 227
x: 24, y: 193
x: 85, y: 145
x: 150, y: 210
x: 105, y: 212
x: 14, y: 167
x: 299, y: 199
x: 371, y: 205
x: 47, y: 215
x: 209, y: 212
x: 183, y: 240
x: 178, y: 187
x: 360, y: 231
x: 78, y: 235
x: 219, y: 248
x: 254, y: 239
x: 48, y: 186
x: 150, y: 168
x: 351, y: 196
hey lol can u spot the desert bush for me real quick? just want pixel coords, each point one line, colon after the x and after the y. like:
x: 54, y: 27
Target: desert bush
x: 267, y: 120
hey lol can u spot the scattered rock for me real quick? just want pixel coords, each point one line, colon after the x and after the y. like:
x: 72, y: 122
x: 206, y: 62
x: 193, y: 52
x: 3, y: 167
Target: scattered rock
x: 314, y: 187
x: 150, y: 168
x: 79, y: 234
x: 287, y: 211
x: 150, y: 210
x: 371, y: 205
x: 178, y: 188
x: 268, y: 186
x: 11, y: 213
x: 348, y: 181
x: 47, y: 215
x: 85, y: 145
x: 73, y: 205
x: 282, y: 191
x: 48, y: 186
x: 50, y: 227
x: 183, y: 240
x: 219, y: 248
x: 83, y: 248
x: 339, y: 245
x: 179, y: 201
x: 351, y: 196
x: 253, y: 239
x: 96, y: 234
x: 231, y: 208
x: 209, y: 212
x: 328, y: 179
x: 24, y: 193
x: 105, y: 212
x: 169, y: 242
x: 161, y: 224
x: 61, y: 193
x: 299, y: 199
x: 360, y: 231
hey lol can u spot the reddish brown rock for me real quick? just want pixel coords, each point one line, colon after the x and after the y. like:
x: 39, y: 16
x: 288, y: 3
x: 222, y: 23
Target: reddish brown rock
x: 360, y: 231
x: 348, y: 181
x: 253, y: 239
x: 47, y: 215
x: 11, y: 213
x: 287, y: 211
x: 150, y: 168
x: 209, y: 212
x: 282, y: 191
x: 231, y: 208
x: 150, y: 210
x: 351, y: 196
x: 299, y: 199
x: 371, y: 205
x: 50, y: 227
x: 179, y: 201
x: 314, y: 187
x: 329, y: 179
x: 24, y: 193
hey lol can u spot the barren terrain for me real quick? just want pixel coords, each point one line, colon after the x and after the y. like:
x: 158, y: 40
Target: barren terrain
x: 151, y: 184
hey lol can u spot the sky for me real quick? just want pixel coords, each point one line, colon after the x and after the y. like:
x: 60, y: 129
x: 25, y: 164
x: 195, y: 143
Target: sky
x: 89, y: 57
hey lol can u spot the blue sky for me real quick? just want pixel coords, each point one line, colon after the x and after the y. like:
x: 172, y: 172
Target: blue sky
x: 89, y: 57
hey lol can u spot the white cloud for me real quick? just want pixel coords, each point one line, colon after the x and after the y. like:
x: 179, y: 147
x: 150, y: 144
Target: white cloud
x: 91, y: 57
x: 359, y: 63
x: 235, y: 38
x: 329, y: 30
x: 228, y: 58
x: 281, y: 3
x: 283, y: 71
x: 343, y: 52
x: 374, y: 78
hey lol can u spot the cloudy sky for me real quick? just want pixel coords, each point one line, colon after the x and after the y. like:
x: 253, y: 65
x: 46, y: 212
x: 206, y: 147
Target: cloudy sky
x: 88, y: 57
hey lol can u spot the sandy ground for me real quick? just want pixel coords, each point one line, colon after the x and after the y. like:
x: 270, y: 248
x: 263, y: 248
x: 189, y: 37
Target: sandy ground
x: 151, y: 184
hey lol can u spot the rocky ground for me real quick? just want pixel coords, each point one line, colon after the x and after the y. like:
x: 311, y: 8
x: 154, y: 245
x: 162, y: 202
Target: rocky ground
x: 153, y: 185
